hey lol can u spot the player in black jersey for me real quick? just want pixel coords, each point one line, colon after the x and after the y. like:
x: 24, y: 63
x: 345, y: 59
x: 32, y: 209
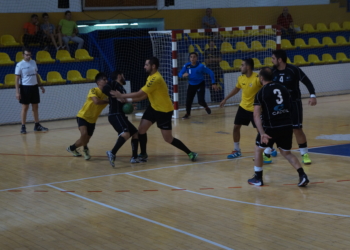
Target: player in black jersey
x: 289, y: 76
x: 272, y: 116
x: 119, y: 120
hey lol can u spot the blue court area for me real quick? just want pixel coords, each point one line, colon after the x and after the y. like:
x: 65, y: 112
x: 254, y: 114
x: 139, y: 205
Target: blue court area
x: 342, y: 150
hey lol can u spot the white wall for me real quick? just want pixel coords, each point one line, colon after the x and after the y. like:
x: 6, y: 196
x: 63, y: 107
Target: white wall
x: 36, y: 6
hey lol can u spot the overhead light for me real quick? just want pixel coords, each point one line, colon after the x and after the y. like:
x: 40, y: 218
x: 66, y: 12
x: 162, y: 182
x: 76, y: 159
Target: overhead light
x: 80, y: 26
x: 112, y: 24
x: 134, y: 24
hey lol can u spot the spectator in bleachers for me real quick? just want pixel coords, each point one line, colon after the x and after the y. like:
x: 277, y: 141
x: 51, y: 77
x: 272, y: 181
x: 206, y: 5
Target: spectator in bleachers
x: 69, y: 31
x: 212, y: 61
x: 209, y: 21
x: 49, y: 32
x: 285, y: 20
x: 32, y: 33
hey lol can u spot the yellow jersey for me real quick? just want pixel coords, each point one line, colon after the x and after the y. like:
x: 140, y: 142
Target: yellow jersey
x: 250, y: 86
x: 90, y: 111
x: 158, y: 94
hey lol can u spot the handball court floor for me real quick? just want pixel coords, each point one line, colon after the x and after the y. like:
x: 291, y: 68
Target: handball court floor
x: 51, y: 200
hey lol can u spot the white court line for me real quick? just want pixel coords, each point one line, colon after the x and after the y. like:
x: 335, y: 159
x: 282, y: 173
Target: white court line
x: 237, y: 201
x: 145, y: 219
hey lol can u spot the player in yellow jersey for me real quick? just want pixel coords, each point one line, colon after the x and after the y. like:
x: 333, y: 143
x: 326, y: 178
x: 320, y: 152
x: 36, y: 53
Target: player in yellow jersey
x: 95, y: 102
x: 160, y: 109
x: 249, y: 83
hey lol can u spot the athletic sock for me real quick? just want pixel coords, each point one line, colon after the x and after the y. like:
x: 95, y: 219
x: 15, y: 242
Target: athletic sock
x: 267, y: 152
x: 300, y: 171
x: 72, y: 147
x: 23, y: 125
x: 259, y: 174
x: 36, y: 124
x: 179, y: 144
x: 236, y: 146
x: 120, y: 142
x: 134, y: 147
x: 143, y: 143
x: 303, y: 148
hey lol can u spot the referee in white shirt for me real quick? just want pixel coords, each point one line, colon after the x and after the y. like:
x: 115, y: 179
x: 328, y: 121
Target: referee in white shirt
x: 27, y: 89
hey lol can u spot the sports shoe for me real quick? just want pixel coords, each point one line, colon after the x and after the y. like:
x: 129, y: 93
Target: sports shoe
x: 193, y: 156
x: 185, y: 117
x: 111, y: 157
x: 266, y: 160
x: 255, y: 181
x: 74, y: 152
x: 234, y: 154
x: 274, y: 152
x: 87, y: 155
x: 142, y: 158
x: 303, y: 181
x: 134, y: 160
x: 40, y: 128
x: 23, y: 129
x: 306, y: 159
x: 208, y: 110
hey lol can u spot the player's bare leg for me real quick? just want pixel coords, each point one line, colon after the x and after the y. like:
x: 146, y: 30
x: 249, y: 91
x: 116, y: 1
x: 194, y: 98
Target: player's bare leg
x: 301, y: 140
x: 82, y: 141
x: 24, y: 112
x: 143, y: 128
x: 236, y: 139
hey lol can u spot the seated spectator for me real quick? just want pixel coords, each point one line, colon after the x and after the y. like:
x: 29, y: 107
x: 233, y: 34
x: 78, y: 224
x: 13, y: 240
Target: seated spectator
x: 212, y: 60
x: 32, y: 33
x: 285, y: 20
x: 209, y: 21
x: 50, y: 34
x: 69, y: 31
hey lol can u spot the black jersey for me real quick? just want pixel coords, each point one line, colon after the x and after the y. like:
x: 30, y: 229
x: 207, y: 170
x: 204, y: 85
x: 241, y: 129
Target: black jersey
x: 290, y: 77
x: 115, y: 106
x: 275, y: 103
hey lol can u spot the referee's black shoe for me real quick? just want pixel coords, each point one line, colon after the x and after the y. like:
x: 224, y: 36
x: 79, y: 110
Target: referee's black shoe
x: 39, y: 128
x: 23, y: 129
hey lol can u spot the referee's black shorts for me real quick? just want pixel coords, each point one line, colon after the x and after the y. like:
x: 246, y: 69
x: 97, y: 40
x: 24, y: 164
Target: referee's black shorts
x: 244, y: 117
x: 89, y: 126
x: 282, y: 136
x: 297, y: 114
x: 29, y: 94
x: 121, y: 124
x: 163, y: 119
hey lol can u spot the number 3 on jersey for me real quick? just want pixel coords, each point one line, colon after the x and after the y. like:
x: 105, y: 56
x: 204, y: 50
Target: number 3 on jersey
x: 279, y: 99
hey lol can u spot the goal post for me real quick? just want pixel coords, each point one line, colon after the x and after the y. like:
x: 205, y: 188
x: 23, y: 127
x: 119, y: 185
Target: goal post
x: 233, y: 44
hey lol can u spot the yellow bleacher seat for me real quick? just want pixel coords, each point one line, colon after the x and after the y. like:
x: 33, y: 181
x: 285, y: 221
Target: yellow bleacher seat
x: 253, y: 33
x: 268, y: 62
x: 90, y: 74
x: 300, y: 43
x: 197, y: 35
x: 314, y: 43
x: 297, y: 29
x: 64, y: 56
x: 238, y: 33
x: 10, y: 80
x: 346, y: 25
x: 341, y: 41
x: 289, y: 61
x: 237, y: 63
x: 54, y: 77
x: 333, y: 26
x: 313, y: 59
x: 257, y: 46
x: 327, y: 41
x: 225, y: 65
x: 44, y: 57
x: 41, y: 80
x: 300, y: 61
x: 270, y: 44
x: 2, y: 86
x: 178, y: 36
x: 226, y: 47
x: 19, y: 56
x: 207, y: 47
x: 5, y: 59
x: 242, y: 46
x: 190, y: 48
x: 75, y: 76
x: 269, y: 32
x: 328, y: 58
x: 83, y: 55
x: 341, y: 57
x: 257, y: 63
x: 308, y: 28
x: 226, y: 34
x: 8, y: 40
x: 321, y: 27
x: 199, y: 48
x: 286, y: 44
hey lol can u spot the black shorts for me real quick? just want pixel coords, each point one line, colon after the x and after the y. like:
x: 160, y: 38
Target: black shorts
x: 90, y: 126
x: 297, y: 114
x: 121, y: 124
x: 163, y: 119
x: 29, y: 94
x: 282, y: 136
x: 244, y: 117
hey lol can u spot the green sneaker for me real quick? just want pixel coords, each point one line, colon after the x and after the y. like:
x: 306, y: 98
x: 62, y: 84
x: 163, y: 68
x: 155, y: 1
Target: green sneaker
x: 87, y: 155
x: 193, y: 156
x: 306, y: 159
x: 74, y: 152
x: 267, y: 160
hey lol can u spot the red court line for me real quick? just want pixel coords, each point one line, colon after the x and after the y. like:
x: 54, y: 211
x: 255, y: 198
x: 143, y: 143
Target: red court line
x: 205, y: 188
x: 234, y: 187
x: 342, y: 180
x: 123, y: 191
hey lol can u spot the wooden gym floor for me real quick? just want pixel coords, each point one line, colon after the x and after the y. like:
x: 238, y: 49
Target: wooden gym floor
x: 51, y: 200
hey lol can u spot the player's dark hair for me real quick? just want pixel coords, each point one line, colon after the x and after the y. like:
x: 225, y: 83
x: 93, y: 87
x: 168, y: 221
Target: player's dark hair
x: 34, y: 15
x: 154, y: 61
x: 44, y: 15
x: 194, y: 53
x: 26, y: 49
x: 266, y: 73
x: 100, y: 76
x: 249, y: 62
x: 280, y: 53
x: 115, y: 74
x: 67, y: 12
